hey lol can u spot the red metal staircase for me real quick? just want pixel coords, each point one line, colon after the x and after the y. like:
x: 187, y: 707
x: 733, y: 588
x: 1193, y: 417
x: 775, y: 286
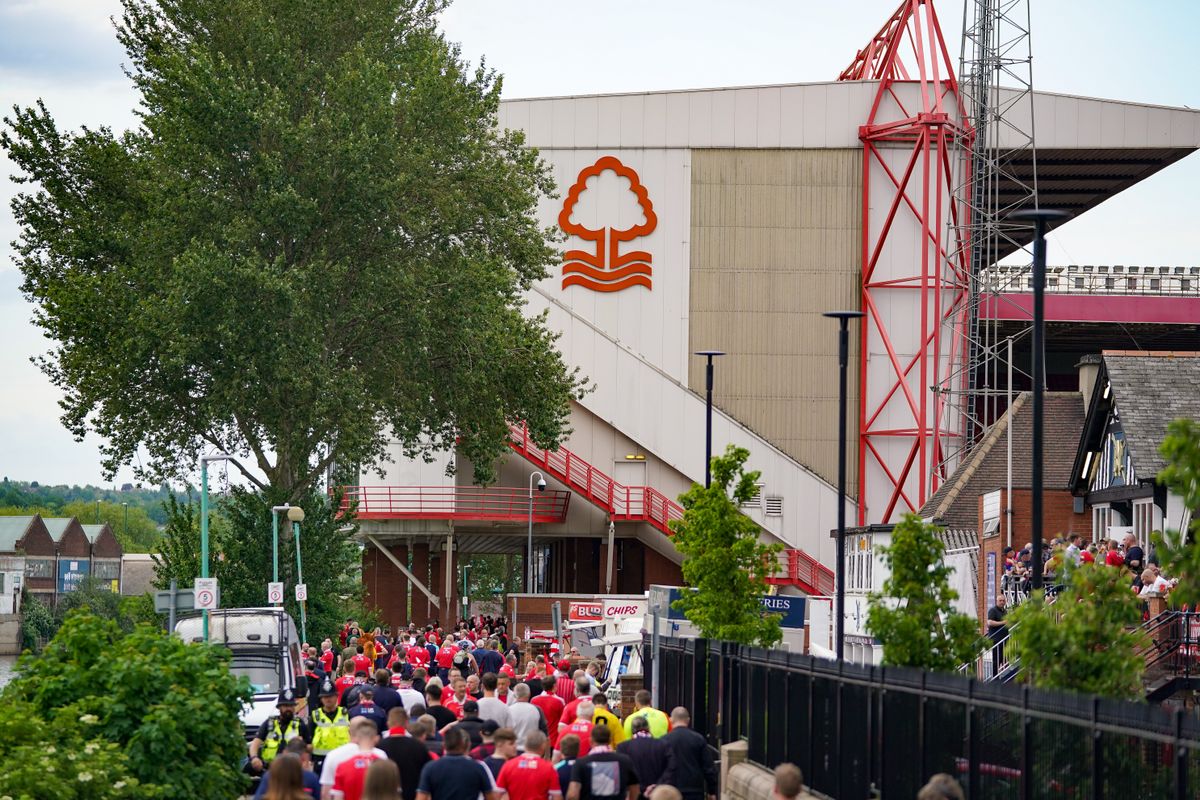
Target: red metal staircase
x: 645, y: 504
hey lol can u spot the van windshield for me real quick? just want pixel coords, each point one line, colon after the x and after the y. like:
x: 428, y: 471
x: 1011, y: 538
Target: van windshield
x: 262, y: 672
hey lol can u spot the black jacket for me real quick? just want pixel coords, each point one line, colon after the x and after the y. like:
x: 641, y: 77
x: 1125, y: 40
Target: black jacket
x: 649, y: 757
x: 690, y: 768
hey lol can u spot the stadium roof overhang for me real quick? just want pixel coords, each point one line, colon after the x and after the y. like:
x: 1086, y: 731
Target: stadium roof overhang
x: 1087, y: 149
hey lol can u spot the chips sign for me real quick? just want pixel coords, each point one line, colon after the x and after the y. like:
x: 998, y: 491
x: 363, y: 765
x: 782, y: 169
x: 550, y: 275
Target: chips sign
x: 585, y: 612
x: 622, y: 608
x: 205, y: 593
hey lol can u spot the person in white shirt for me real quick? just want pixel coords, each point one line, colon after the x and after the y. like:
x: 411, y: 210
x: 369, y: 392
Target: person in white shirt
x: 490, y: 706
x: 526, y: 717
x: 1153, y: 583
x: 347, y: 751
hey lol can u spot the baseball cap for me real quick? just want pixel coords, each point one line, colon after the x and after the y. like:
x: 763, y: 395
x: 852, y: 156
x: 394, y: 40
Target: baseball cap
x: 564, y: 665
x: 470, y: 707
x: 490, y: 727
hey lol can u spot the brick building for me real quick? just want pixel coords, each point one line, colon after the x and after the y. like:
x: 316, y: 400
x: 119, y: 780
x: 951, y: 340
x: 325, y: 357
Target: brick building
x: 975, y: 497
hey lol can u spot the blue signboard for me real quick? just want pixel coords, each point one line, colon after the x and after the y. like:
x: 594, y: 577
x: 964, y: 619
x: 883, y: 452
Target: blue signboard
x: 71, y: 573
x: 791, y: 608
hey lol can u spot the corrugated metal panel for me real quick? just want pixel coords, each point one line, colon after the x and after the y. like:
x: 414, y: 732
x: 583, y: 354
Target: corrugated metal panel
x: 776, y: 238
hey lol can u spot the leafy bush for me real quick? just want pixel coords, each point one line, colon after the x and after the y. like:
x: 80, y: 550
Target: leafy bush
x: 37, y: 622
x: 160, y: 710
x: 914, y: 616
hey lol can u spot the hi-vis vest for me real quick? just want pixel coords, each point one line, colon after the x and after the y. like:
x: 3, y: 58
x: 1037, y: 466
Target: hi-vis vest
x: 329, y: 731
x: 276, y: 738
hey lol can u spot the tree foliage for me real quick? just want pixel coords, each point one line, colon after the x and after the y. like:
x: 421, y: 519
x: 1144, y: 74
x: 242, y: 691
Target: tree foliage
x: 914, y: 617
x: 723, y: 558
x: 1179, y: 551
x: 1085, y: 641
x: 317, y: 239
x: 240, y: 554
x: 18, y: 498
x: 143, y: 709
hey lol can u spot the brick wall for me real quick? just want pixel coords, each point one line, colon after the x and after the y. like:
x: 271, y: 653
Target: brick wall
x: 386, y: 587
x: 1058, y: 519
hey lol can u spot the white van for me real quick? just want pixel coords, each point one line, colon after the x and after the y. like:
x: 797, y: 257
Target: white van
x: 266, y: 649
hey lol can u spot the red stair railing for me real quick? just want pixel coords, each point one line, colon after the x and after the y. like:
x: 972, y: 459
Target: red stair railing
x: 644, y: 504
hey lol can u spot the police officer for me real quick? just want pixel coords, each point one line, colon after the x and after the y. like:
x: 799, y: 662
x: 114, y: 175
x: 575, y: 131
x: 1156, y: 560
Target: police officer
x: 330, y: 724
x: 275, y: 732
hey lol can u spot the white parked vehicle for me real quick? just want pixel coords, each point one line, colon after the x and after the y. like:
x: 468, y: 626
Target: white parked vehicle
x: 265, y: 648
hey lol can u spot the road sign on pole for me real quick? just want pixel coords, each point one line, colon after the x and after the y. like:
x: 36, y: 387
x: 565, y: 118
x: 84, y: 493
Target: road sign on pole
x: 301, y: 592
x: 275, y: 593
x: 205, y: 592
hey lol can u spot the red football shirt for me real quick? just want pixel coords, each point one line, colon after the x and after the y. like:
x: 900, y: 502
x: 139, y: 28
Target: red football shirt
x: 446, y: 655
x: 568, y: 715
x: 552, y: 706
x: 528, y: 777
x: 327, y: 661
x: 1114, y: 559
x: 418, y: 656
x: 351, y: 774
x: 342, y: 684
x: 584, y: 731
x: 363, y: 664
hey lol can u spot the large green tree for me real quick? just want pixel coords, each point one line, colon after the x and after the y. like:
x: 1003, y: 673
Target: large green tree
x: 1179, y: 551
x: 723, y: 558
x: 914, y: 617
x: 317, y: 238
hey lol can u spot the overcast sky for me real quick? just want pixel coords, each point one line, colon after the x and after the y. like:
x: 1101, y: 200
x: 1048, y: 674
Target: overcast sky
x: 64, y: 52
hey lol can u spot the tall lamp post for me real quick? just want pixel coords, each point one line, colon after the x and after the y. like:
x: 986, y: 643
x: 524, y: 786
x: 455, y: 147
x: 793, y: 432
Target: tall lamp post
x: 285, y: 508
x: 295, y: 515
x: 541, y: 487
x: 204, y: 523
x: 1040, y: 218
x: 125, y: 527
x: 709, y: 355
x: 843, y: 318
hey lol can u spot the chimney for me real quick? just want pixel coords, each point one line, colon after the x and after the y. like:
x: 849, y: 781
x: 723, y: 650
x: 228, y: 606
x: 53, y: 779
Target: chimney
x: 1089, y: 369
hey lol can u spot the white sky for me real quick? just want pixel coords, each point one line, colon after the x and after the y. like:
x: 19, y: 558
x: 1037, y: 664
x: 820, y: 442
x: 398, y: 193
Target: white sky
x: 64, y: 52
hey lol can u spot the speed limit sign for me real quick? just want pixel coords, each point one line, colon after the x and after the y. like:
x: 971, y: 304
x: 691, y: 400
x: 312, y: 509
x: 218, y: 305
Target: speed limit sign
x: 205, y: 593
x: 275, y: 593
x: 301, y: 592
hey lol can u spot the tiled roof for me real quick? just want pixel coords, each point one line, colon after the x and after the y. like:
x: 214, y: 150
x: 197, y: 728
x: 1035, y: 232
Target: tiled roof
x: 11, y: 531
x: 956, y: 502
x: 1150, y: 390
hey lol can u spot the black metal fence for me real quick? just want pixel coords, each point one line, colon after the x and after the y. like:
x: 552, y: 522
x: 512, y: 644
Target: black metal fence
x: 881, y: 732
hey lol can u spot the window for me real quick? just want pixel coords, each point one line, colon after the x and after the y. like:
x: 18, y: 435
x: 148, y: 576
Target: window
x: 39, y: 568
x: 106, y: 570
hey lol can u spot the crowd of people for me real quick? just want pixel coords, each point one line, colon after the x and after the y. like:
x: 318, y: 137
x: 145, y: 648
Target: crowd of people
x: 435, y: 714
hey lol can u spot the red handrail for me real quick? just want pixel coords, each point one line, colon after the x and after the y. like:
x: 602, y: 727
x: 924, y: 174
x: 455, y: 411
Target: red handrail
x: 645, y: 504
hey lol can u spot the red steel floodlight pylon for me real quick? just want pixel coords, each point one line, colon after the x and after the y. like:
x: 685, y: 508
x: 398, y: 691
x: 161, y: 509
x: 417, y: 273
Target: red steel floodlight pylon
x: 915, y: 268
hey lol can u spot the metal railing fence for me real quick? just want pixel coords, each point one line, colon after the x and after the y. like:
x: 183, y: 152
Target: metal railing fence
x: 859, y: 732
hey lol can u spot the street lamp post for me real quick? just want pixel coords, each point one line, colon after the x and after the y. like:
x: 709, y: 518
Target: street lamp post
x: 204, y: 523
x: 296, y: 515
x: 709, y: 355
x: 125, y: 526
x: 843, y: 318
x: 286, y: 508
x: 541, y: 485
x: 1040, y: 218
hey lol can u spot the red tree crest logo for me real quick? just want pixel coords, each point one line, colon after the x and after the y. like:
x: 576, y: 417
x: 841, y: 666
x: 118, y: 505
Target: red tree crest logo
x: 606, y: 269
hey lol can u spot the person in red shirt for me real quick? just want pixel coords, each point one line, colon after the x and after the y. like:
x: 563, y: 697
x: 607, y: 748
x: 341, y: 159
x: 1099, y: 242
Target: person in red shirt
x: 349, y: 776
x: 1114, y: 558
x: 362, y: 661
x: 565, y: 687
x: 529, y: 776
x: 583, y: 693
x: 418, y: 656
x: 445, y: 657
x: 345, y: 681
x: 582, y: 727
x: 455, y: 701
x: 327, y: 657
x: 551, y: 706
